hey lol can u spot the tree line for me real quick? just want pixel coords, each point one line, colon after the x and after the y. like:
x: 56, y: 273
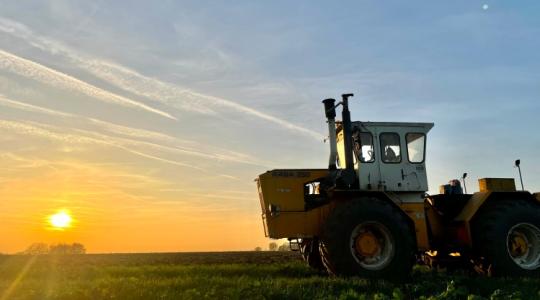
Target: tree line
x: 61, y: 249
x: 275, y: 247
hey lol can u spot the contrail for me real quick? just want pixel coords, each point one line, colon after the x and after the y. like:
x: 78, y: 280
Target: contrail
x: 31, y: 108
x: 46, y: 75
x: 167, y: 93
x: 151, y: 88
x: 219, y: 154
x: 38, y: 131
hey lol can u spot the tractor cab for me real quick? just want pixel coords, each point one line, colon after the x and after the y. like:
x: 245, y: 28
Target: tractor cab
x: 388, y: 156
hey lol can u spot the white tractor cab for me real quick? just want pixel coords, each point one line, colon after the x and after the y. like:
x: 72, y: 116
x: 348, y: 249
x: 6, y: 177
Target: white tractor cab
x: 392, y: 156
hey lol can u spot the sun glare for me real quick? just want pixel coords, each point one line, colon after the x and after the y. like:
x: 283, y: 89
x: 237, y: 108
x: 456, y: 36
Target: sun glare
x: 60, y: 220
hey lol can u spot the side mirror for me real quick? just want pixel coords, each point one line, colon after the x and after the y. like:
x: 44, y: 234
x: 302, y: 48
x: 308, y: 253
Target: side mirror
x: 464, y: 183
x: 518, y: 162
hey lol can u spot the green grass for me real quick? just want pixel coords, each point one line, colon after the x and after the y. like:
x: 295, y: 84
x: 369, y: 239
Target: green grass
x: 237, y: 275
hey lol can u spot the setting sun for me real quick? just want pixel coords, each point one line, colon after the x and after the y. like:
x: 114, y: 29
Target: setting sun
x: 60, y: 220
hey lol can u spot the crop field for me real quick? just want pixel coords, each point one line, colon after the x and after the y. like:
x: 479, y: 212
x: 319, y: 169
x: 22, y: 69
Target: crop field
x: 228, y: 275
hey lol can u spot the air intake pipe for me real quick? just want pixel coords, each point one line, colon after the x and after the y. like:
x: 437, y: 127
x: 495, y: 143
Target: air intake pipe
x: 330, y: 111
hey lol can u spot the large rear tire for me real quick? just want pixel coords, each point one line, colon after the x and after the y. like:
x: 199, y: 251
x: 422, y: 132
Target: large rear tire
x: 370, y: 238
x: 309, y: 248
x: 507, y: 235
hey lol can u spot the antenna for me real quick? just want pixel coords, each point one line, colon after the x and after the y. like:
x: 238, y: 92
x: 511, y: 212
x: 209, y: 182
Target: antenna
x: 517, y: 165
x: 463, y: 179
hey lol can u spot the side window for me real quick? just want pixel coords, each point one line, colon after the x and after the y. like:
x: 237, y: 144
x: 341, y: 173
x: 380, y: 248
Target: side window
x: 416, y: 143
x: 363, y: 147
x: 390, y: 147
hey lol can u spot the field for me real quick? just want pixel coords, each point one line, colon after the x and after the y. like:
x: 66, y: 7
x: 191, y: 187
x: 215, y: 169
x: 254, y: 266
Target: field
x: 227, y: 275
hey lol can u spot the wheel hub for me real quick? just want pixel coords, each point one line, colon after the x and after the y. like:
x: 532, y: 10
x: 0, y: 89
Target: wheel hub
x: 367, y: 244
x: 523, y: 245
x: 519, y: 245
x: 372, y: 245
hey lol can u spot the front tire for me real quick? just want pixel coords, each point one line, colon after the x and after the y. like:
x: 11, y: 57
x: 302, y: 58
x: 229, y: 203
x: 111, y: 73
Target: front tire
x: 368, y: 237
x: 507, y: 235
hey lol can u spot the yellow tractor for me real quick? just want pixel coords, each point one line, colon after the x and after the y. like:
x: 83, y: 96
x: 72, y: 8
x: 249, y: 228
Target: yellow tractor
x: 368, y: 213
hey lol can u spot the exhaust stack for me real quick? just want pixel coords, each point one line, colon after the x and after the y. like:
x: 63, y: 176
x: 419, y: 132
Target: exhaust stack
x: 347, y: 135
x: 345, y: 178
x: 330, y: 111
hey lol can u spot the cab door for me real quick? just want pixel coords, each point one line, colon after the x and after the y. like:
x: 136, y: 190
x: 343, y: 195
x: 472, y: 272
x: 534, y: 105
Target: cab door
x: 393, y: 160
x: 365, y: 152
x: 402, y: 151
x: 415, y: 170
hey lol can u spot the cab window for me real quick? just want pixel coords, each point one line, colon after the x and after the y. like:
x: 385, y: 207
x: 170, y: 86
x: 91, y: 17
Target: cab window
x: 363, y: 147
x: 416, y: 145
x: 390, y: 147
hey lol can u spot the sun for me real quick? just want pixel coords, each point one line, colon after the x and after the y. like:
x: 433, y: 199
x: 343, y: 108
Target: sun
x: 60, y: 220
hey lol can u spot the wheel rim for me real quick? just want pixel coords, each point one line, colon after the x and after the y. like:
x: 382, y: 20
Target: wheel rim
x: 523, y: 245
x: 372, y: 245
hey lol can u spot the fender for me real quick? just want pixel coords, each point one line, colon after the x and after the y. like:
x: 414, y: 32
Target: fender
x: 477, y: 201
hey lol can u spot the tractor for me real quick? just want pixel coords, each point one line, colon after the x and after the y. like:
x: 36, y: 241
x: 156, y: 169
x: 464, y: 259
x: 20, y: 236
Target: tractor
x: 368, y: 213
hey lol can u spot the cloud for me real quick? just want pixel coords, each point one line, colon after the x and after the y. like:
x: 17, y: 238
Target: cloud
x: 175, y: 96
x: 136, y: 132
x: 150, y: 88
x: 180, y: 146
x: 218, y: 154
x: 46, y: 75
x: 44, y: 131
x: 31, y: 108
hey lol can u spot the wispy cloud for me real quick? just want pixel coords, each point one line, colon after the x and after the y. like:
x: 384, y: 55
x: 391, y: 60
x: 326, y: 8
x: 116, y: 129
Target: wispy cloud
x: 139, y: 84
x: 137, y: 132
x: 46, y: 75
x: 129, y: 144
x: 176, y: 96
x: 182, y: 98
x: 29, y: 107
x: 159, y: 141
x: 45, y: 131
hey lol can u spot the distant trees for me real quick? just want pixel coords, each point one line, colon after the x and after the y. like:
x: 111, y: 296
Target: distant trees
x: 74, y: 248
x: 36, y: 249
x: 272, y: 246
x: 61, y: 249
x: 284, y: 247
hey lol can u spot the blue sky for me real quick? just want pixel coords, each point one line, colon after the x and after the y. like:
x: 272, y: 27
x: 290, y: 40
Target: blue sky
x: 174, y: 107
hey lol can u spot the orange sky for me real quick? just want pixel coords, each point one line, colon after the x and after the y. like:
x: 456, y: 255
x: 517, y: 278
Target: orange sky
x: 109, y: 219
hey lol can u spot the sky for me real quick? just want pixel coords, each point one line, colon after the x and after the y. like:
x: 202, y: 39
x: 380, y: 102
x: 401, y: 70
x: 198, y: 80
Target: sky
x: 148, y: 122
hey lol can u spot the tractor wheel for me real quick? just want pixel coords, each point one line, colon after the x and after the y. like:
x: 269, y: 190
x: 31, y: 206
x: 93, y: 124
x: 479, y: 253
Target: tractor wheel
x: 310, y: 253
x: 507, y: 235
x: 368, y: 237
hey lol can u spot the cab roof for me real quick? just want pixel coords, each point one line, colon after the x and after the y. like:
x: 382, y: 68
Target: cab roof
x: 360, y: 124
x: 425, y: 126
